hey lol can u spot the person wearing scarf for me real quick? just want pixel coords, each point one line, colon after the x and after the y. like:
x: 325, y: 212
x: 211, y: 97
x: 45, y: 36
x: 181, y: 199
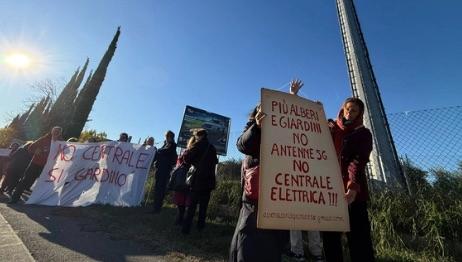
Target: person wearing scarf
x: 353, y: 144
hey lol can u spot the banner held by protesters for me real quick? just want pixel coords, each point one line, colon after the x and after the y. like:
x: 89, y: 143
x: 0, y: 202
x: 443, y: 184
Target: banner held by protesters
x: 77, y: 174
x: 300, y: 181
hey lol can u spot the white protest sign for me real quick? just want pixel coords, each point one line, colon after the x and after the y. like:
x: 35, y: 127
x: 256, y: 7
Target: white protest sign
x: 301, y: 186
x: 95, y: 173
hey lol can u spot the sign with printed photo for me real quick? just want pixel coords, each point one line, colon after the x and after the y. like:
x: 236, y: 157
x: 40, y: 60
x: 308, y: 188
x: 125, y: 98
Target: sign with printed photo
x: 217, y: 127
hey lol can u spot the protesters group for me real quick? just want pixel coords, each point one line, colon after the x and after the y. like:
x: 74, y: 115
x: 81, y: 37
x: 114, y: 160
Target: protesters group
x: 191, y: 176
x: 353, y: 145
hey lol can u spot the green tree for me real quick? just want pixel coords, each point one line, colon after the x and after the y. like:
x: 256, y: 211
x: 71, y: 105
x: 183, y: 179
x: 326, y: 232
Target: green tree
x: 17, y: 124
x: 6, y: 136
x: 35, y: 124
x: 61, y: 113
x: 87, y: 135
x: 416, y: 177
x: 87, y: 96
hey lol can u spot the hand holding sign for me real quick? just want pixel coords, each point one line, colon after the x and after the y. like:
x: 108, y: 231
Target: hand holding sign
x: 259, y: 116
x: 350, y: 196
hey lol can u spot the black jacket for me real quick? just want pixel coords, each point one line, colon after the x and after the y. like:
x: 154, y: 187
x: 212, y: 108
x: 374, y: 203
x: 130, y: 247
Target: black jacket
x: 19, y: 161
x: 203, y: 156
x: 250, y: 243
x: 249, y: 141
x: 165, y: 158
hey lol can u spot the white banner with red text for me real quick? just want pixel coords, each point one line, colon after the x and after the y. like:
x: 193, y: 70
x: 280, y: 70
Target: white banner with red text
x: 78, y: 174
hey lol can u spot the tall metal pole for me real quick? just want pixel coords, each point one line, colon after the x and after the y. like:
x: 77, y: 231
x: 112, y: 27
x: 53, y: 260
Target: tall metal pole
x: 385, y: 165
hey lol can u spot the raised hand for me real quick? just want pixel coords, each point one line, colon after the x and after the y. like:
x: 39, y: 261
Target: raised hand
x: 295, y: 86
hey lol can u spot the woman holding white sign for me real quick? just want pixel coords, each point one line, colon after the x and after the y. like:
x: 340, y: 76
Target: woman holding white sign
x: 250, y: 243
x: 353, y: 143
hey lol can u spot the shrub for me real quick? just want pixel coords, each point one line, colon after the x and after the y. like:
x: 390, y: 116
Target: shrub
x: 229, y: 170
x: 6, y: 136
x: 225, y: 202
x: 149, y: 189
x: 426, y: 224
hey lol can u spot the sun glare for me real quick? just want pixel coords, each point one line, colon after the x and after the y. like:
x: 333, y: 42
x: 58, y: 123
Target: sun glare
x: 18, y: 60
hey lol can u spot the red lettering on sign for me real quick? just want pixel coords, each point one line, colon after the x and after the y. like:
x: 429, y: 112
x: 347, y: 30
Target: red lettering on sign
x: 88, y: 153
x: 295, y: 195
x: 117, y: 155
x: 52, y: 177
x: 66, y: 152
x: 141, y: 160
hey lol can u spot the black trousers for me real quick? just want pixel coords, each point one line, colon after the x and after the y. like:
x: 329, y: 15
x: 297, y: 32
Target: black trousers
x: 359, y: 237
x: 250, y: 243
x: 160, y: 188
x: 32, y: 172
x: 200, y: 198
x: 11, y: 179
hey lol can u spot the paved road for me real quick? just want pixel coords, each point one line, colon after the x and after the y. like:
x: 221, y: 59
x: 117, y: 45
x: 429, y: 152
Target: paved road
x: 11, y: 247
x: 52, y: 237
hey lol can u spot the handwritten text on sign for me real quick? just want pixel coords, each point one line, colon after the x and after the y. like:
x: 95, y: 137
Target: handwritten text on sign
x: 301, y: 186
x: 82, y: 174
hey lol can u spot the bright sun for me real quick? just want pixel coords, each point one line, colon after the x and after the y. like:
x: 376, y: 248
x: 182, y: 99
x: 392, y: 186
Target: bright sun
x: 18, y: 60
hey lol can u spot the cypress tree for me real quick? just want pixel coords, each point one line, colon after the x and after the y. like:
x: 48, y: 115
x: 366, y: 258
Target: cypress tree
x: 87, y: 95
x: 14, y: 122
x: 62, y: 110
x: 23, y: 118
x: 17, y: 124
x: 79, y: 79
x: 33, y: 126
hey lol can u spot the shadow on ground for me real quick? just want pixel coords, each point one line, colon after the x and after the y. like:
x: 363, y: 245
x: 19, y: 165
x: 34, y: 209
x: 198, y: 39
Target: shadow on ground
x: 114, y: 233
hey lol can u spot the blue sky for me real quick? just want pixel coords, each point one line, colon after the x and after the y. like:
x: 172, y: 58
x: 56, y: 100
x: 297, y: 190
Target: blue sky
x: 216, y: 55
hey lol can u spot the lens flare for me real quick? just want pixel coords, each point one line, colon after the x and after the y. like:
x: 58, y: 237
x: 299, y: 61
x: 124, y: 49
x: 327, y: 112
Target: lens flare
x: 18, y: 60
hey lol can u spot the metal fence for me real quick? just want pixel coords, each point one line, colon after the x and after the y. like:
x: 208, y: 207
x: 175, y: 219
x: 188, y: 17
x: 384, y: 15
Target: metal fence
x: 429, y: 139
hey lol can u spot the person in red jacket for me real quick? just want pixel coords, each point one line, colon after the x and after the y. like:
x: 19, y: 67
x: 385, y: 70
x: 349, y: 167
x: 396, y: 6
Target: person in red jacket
x: 353, y: 144
x: 40, y: 150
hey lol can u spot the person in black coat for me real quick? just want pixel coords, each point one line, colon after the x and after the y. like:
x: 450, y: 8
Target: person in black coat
x: 165, y: 160
x: 19, y: 160
x: 203, y: 156
x: 250, y: 243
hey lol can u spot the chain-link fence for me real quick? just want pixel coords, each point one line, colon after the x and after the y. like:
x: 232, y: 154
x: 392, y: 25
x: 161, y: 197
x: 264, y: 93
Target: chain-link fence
x: 429, y: 146
x: 429, y: 139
